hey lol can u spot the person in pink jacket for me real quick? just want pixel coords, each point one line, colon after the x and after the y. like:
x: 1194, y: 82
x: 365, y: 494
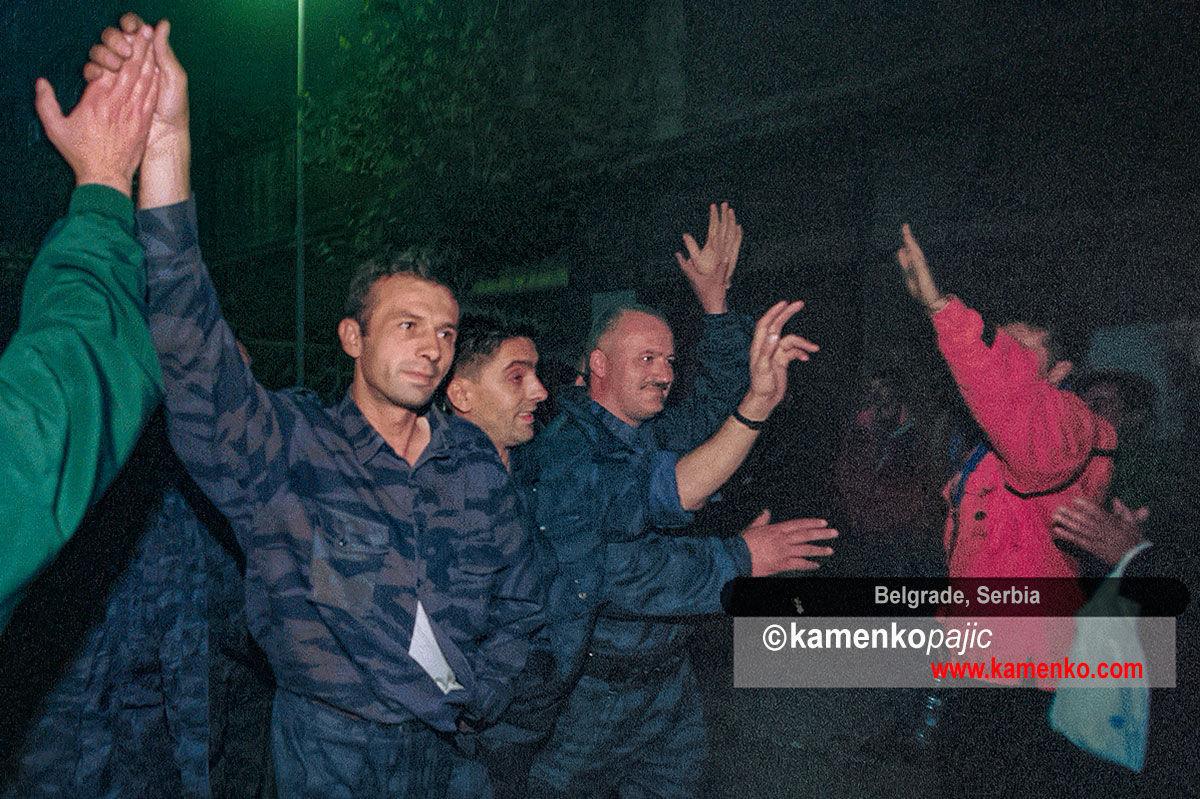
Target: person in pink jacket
x: 1043, y: 448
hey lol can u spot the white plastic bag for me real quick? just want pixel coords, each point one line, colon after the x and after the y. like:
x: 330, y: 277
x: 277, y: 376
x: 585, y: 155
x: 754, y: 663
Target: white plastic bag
x: 1110, y: 721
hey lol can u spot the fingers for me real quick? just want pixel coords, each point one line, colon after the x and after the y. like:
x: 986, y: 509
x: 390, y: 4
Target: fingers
x: 693, y: 249
x: 104, y: 57
x: 150, y: 96
x: 761, y: 331
x: 730, y: 232
x: 132, y: 70
x: 145, y: 91
x: 771, y: 323
x: 909, y: 256
x: 803, y: 531
x: 781, y: 319
x: 1082, y: 517
x: 809, y: 551
x: 92, y: 72
x: 734, y: 249
x: 714, y: 223
x: 48, y: 109
x: 729, y: 244
x: 173, y: 71
x: 131, y: 22
x: 804, y: 539
x: 119, y: 43
x: 1122, y: 511
x: 762, y: 519
x: 1075, y: 520
x: 163, y: 53
x: 1066, y: 534
x: 768, y: 331
x: 794, y: 348
x: 1089, y: 511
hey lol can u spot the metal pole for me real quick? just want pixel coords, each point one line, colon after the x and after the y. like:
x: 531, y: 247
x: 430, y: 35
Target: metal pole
x: 300, y: 192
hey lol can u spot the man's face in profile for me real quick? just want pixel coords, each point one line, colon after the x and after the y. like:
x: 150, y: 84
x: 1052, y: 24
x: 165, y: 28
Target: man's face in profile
x: 503, y: 392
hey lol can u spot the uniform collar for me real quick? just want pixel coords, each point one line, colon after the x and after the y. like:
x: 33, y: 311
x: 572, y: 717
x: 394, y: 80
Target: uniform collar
x: 445, y: 437
x: 579, y: 404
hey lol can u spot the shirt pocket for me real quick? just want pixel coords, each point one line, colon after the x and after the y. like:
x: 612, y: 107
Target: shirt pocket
x: 350, y: 554
x: 474, y: 577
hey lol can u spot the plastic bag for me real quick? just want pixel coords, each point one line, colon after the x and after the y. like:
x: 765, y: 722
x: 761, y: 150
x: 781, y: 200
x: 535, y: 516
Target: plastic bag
x: 1110, y: 721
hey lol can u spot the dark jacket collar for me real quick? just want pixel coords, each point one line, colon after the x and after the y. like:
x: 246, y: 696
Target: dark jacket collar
x: 594, y: 416
x: 449, y: 436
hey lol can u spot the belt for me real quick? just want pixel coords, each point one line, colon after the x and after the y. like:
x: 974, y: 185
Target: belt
x: 632, y: 669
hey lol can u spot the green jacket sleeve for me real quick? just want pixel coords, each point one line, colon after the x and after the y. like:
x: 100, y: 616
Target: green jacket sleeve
x: 77, y: 380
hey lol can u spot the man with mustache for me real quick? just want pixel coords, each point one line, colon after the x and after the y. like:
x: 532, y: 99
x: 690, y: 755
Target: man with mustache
x: 388, y: 573
x: 494, y: 385
x: 610, y: 469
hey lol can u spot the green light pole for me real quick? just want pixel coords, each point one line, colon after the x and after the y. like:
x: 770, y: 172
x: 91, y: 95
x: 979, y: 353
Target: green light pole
x: 300, y: 192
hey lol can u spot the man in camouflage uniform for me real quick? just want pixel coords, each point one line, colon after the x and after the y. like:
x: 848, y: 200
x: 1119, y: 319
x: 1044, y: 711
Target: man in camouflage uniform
x: 387, y: 575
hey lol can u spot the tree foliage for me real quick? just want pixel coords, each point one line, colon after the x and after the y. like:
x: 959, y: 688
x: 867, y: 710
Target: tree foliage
x: 469, y: 127
x: 425, y: 124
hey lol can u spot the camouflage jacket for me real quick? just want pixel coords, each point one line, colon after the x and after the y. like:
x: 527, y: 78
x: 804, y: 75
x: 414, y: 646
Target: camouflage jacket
x: 603, y: 489
x: 342, y: 537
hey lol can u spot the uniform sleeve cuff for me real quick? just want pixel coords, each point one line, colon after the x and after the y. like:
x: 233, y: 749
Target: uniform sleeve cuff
x: 168, y: 230
x: 96, y: 198
x: 665, y: 508
x: 739, y: 552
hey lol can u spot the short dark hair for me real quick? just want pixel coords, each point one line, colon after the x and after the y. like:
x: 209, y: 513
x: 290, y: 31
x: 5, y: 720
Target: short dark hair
x: 391, y: 261
x: 1136, y: 392
x: 480, y: 334
x: 1058, y: 346
x: 608, y: 321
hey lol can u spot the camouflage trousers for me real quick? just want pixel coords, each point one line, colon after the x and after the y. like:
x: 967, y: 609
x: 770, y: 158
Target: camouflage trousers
x: 320, y: 753
x: 641, y: 740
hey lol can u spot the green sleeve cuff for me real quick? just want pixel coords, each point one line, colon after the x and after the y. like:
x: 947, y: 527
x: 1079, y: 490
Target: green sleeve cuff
x: 96, y: 198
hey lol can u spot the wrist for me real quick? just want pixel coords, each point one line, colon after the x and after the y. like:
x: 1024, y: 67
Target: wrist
x: 121, y: 183
x: 169, y: 139
x: 755, y: 420
x: 165, y: 176
x: 934, y: 306
x: 756, y: 406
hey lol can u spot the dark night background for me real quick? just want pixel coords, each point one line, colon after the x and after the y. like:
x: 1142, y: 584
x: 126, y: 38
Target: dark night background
x: 1045, y: 156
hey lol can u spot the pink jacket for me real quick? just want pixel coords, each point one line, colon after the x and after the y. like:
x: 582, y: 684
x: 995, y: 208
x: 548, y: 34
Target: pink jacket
x: 1040, y: 438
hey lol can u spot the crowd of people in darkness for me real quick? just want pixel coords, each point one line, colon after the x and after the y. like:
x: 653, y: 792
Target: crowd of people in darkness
x: 436, y: 588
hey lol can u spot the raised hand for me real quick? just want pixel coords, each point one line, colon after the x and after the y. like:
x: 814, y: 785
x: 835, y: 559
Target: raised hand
x: 171, y: 110
x: 1106, y: 535
x: 786, y: 546
x: 917, y: 276
x: 166, y: 165
x: 104, y: 137
x: 710, y: 269
x: 770, y: 354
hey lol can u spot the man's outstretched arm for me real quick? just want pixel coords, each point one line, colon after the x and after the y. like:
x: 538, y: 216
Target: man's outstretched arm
x: 79, y: 376
x: 721, y: 376
x: 221, y: 422
x: 665, y: 575
x: 701, y: 472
